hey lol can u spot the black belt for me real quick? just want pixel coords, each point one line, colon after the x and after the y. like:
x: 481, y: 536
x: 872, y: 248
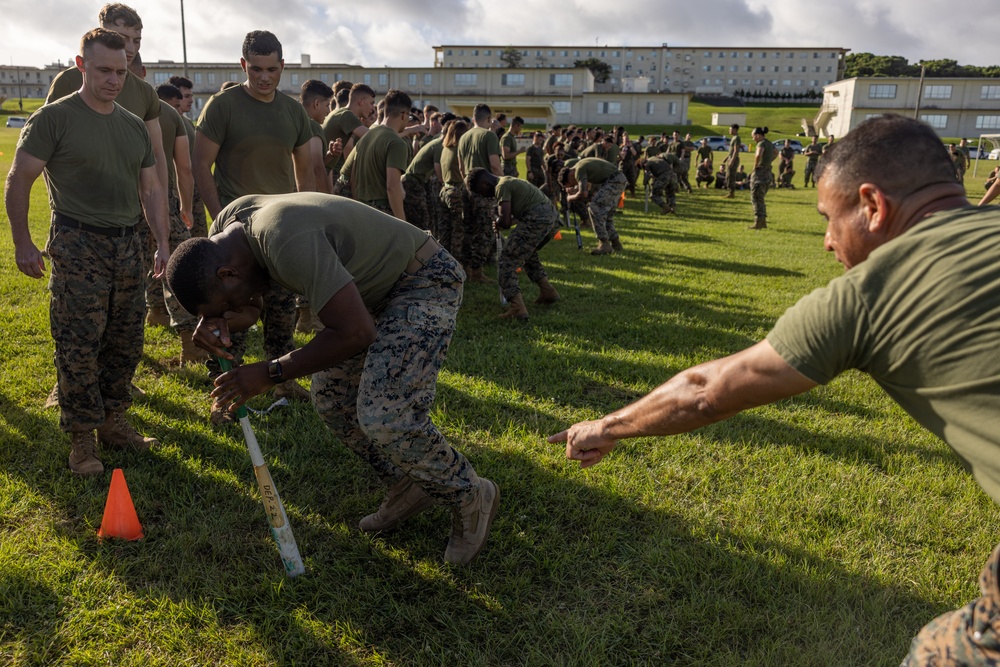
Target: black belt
x: 65, y: 221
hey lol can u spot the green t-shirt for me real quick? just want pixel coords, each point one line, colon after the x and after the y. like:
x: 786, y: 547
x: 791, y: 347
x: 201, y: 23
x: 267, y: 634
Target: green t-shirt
x: 812, y: 152
x: 255, y: 141
x: 476, y: 146
x: 422, y: 165
x: 535, y: 158
x: 317, y: 131
x: 522, y: 195
x: 92, y: 160
x: 345, y: 169
x: 171, y: 127
x: 136, y: 95
x: 767, y: 154
x: 611, y: 153
x: 315, y: 244
x: 922, y: 316
x: 509, y: 141
x: 380, y: 149
x: 339, y: 124
x: 191, y: 132
x: 449, y: 166
x: 594, y: 170
x: 735, y: 146
x: 658, y: 166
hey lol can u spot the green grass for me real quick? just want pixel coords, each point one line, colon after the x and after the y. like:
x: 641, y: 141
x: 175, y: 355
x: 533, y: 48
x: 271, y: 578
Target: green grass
x: 824, y: 530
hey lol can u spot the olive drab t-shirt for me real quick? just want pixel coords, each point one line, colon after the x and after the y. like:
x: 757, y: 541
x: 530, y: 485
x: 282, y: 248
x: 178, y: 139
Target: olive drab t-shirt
x: 189, y: 128
x: 422, y: 165
x: 171, y: 127
x: 522, y: 195
x: 767, y: 154
x: 136, y: 95
x: 380, y: 149
x: 594, y: 170
x: 475, y: 148
x: 509, y: 141
x: 658, y: 166
x: 339, y: 124
x: 256, y: 140
x: 92, y: 160
x: 315, y: 244
x: 922, y: 316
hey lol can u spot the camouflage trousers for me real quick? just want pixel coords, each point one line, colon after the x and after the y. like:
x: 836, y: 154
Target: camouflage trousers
x: 510, y: 168
x: 200, y: 227
x: 96, y: 317
x: 664, y: 184
x: 683, y: 176
x: 342, y: 188
x: 431, y: 189
x: 477, y: 243
x: 534, y: 229
x: 415, y: 203
x: 451, y: 225
x: 631, y: 172
x: 760, y: 181
x: 810, y: 173
x: 966, y: 636
x: 536, y: 177
x: 603, y: 205
x: 157, y: 292
x: 378, y: 403
x: 732, y: 168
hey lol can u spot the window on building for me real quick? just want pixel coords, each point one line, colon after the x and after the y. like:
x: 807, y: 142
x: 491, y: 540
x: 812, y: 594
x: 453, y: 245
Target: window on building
x: 448, y: 52
x: 295, y: 79
x: 789, y: 68
x: 829, y: 68
x: 734, y: 54
x: 791, y: 54
x: 516, y: 80
x: 758, y: 82
x: 786, y: 82
x: 609, y: 108
x: 815, y: 55
x: 706, y: 81
x: 882, y: 91
x: 798, y: 82
x: 461, y: 52
x: 560, y: 79
x: 763, y: 54
x: 708, y: 54
x: 383, y: 79
x: 650, y: 107
x: 763, y: 69
x: 475, y: 52
x: 487, y: 52
x: 802, y: 69
x: 324, y: 77
x: 197, y: 78
x: 604, y: 54
x: 538, y: 54
x: 815, y: 69
x: 722, y: 54
x: 988, y: 122
x: 338, y: 77
x: 706, y: 68
x: 564, y: 54
x: 748, y: 54
x: 234, y: 76
x: 937, y: 121
x: 615, y: 68
x: 776, y: 69
x: 990, y: 93
x: 672, y: 109
x: 428, y: 78
x: 562, y: 107
x: 937, y: 93
x: 814, y: 82
x: 616, y: 54
x: 552, y: 53
x: 368, y: 79
x: 576, y: 54
x: 773, y: 82
x: 161, y: 77
x: 411, y: 80
x: 466, y: 79
x: 720, y: 68
x: 777, y: 54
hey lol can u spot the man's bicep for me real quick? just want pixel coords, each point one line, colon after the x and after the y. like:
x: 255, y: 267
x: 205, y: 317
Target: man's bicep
x: 759, y: 375
x: 27, y: 167
x: 205, y: 150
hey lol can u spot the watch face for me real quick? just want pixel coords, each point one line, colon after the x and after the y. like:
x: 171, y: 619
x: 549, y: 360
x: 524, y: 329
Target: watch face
x: 274, y: 369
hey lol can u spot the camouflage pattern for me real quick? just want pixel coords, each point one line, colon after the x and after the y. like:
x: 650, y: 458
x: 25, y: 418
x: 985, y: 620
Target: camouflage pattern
x: 431, y: 189
x: 477, y: 243
x: 342, y: 188
x: 810, y: 173
x: 732, y: 167
x: 534, y: 160
x: 382, y: 205
x: 198, y: 216
x: 96, y: 317
x: 967, y: 636
x: 378, y: 403
x: 760, y: 181
x: 664, y: 184
x: 630, y: 169
x: 510, y: 168
x: 603, y: 205
x: 415, y: 203
x: 534, y: 229
x: 157, y: 292
x: 451, y: 225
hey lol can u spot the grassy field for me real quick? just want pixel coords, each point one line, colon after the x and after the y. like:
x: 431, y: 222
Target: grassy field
x: 824, y: 530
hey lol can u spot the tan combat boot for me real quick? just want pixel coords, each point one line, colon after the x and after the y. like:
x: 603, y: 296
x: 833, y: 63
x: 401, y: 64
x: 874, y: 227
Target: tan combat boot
x: 471, y: 520
x: 83, y: 454
x: 157, y: 316
x: 603, y: 248
x: 191, y: 353
x: 616, y: 245
x: 516, y: 309
x: 53, y: 398
x: 291, y: 390
x: 758, y: 223
x: 117, y: 432
x: 546, y: 292
x: 477, y: 276
x: 404, y: 499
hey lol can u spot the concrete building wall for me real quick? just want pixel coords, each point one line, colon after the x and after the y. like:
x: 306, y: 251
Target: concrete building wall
x: 27, y: 82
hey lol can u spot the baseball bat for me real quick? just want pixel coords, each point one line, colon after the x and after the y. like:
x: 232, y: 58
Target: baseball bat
x: 281, y: 530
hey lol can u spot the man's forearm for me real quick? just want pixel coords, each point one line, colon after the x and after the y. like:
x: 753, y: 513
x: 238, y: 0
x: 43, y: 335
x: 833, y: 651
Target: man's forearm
x: 205, y: 182
x: 396, y: 196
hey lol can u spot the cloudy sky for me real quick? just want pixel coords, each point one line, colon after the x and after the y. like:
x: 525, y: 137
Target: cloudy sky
x: 402, y: 32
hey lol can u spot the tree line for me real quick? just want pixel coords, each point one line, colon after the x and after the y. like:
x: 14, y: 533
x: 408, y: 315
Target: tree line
x: 868, y: 64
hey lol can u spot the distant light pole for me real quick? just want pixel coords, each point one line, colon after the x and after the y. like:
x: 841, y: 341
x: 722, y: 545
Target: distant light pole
x: 184, y: 41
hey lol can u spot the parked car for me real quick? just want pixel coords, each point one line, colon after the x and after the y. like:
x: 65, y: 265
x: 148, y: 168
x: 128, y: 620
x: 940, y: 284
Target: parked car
x: 995, y: 154
x: 720, y: 143
x: 16, y: 121
x: 794, y: 143
x: 977, y: 153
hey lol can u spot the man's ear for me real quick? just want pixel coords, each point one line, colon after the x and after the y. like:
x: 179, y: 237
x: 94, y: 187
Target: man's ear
x: 79, y: 63
x: 876, y: 206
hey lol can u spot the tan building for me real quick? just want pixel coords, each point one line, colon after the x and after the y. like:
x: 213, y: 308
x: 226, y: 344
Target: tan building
x: 719, y: 70
x: 540, y: 95
x: 955, y: 107
x: 27, y: 82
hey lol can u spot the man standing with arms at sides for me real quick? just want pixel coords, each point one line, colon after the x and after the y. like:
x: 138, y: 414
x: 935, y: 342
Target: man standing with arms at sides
x: 812, y: 152
x: 96, y: 308
x: 345, y: 123
x: 733, y: 160
x: 893, y: 211
x: 550, y: 141
x: 258, y: 141
x: 199, y: 224
x: 451, y: 228
x: 479, y: 147
x: 534, y: 160
x: 315, y: 98
x: 381, y: 158
x: 508, y: 145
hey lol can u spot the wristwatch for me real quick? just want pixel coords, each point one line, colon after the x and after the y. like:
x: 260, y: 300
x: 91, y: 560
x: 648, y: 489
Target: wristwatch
x: 274, y: 371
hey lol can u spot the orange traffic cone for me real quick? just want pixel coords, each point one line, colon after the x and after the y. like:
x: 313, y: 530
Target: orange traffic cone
x: 120, y: 519
x: 558, y: 236
x: 621, y: 201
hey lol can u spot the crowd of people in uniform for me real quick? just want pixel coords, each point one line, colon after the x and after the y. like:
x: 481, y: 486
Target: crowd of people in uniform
x: 361, y: 219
